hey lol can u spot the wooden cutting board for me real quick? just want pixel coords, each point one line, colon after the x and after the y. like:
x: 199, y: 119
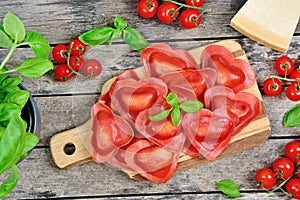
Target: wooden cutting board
x: 255, y: 133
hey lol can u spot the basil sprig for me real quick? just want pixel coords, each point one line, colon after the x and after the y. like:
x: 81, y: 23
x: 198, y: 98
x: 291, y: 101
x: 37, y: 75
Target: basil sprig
x: 131, y: 36
x: 189, y: 106
x: 229, y: 188
x: 12, y: 36
x: 15, y: 141
x: 292, y: 117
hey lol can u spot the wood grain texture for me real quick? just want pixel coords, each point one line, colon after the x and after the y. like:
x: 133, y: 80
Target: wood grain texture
x: 64, y: 106
x: 40, y: 178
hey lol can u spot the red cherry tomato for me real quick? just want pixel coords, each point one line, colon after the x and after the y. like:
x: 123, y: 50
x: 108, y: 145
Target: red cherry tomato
x: 284, y: 65
x: 295, y: 74
x: 59, y: 53
x: 167, y: 12
x: 63, y: 73
x: 265, y: 178
x: 283, y: 168
x: 76, y: 62
x: 292, y: 151
x: 293, y: 187
x: 147, y: 8
x: 197, y: 3
x: 190, y: 18
x: 78, y: 48
x: 293, y: 91
x: 272, y: 86
x: 91, y: 68
x: 298, y: 171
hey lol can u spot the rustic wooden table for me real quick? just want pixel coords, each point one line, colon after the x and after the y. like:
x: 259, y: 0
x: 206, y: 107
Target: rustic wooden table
x: 66, y: 105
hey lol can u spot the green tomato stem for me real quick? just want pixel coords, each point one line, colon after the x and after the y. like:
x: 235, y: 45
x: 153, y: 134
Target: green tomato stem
x: 188, y: 6
x: 285, y: 79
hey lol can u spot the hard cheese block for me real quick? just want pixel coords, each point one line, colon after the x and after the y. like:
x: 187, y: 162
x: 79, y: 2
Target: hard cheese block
x: 269, y: 22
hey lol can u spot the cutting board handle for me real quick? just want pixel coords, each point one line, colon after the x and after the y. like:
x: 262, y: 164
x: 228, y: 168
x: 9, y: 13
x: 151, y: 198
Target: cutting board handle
x: 67, y: 148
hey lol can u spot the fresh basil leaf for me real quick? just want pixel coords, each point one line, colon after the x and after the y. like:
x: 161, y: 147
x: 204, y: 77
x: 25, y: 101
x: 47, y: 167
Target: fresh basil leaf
x: 160, y: 116
x: 34, y: 67
x: 19, y: 97
x: 11, y: 83
x: 175, y: 115
x: 292, y: 117
x: 10, y: 183
x: 172, y: 99
x: 191, y: 106
x: 31, y: 141
x: 2, y: 28
x: 116, y: 34
x: 3, y: 76
x: 120, y: 23
x: 12, y: 142
x: 96, y: 36
x: 14, y: 27
x: 2, y: 129
x: 38, y: 44
x: 229, y: 188
x: 7, y: 110
x: 134, y: 39
x: 5, y: 41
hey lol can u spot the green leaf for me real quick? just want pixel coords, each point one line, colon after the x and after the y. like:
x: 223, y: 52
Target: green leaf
x: 175, y: 115
x: 34, y: 67
x: 172, y: 99
x: 3, y: 76
x: 160, y: 116
x: 7, y: 110
x: 10, y: 183
x: 191, y: 106
x: 18, y: 97
x: 117, y: 34
x: 31, y: 141
x: 120, y: 23
x: 12, y: 142
x: 96, y: 36
x: 11, y: 84
x: 134, y: 39
x: 14, y: 27
x: 292, y: 117
x: 5, y: 41
x: 229, y: 188
x: 38, y: 44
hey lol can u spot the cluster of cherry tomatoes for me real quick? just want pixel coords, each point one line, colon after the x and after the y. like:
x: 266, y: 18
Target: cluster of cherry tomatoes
x: 70, y: 61
x: 284, y: 172
x: 168, y: 11
x: 287, y: 72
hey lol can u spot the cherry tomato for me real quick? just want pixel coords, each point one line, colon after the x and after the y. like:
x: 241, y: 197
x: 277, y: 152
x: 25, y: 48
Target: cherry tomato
x: 147, y: 8
x: 283, y: 168
x: 298, y: 171
x: 190, y: 18
x: 197, y: 3
x: 76, y: 62
x: 167, y: 12
x: 293, y: 91
x: 59, y: 53
x: 293, y: 187
x: 265, y: 178
x: 295, y: 74
x: 284, y: 65
x: 63, y: 73
x: 78, y: 48
x: 272, y: 86
x: 292, y: 151
x: 91, y: 68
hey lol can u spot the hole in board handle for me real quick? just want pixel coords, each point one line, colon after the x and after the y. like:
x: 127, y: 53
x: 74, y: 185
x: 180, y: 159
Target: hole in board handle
x: 69, y: 148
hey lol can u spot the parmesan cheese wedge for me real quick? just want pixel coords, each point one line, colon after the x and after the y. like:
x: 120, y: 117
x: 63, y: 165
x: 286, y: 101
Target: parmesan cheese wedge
x: 269, y: 22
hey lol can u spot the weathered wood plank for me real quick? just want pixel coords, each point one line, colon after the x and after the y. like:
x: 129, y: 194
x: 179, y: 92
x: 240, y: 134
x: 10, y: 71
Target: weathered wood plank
x: 40, y: 178
x: 118, y: 57
x: 61, y: 20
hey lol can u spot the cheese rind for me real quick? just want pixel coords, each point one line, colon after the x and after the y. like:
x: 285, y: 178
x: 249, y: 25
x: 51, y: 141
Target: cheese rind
x: 269, y: 22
